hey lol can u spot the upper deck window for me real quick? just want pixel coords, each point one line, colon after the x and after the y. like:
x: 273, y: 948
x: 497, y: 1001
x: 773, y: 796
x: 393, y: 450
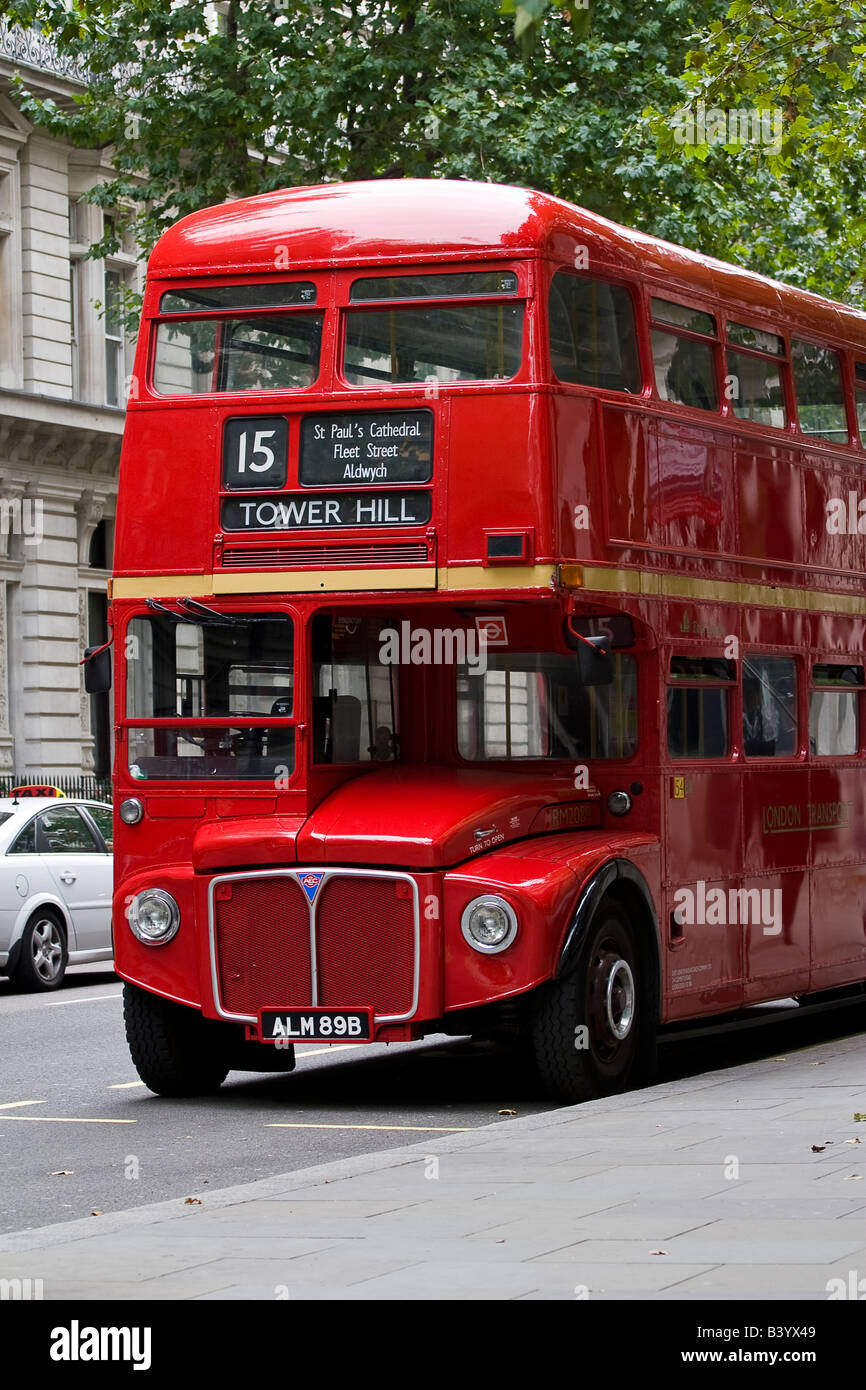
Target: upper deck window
x: 207, y: 298
x: 757, y: 338
x: 463, y: 342
x: 264, y: 353
x: 818, y: 380
x: 684, y: 365
x: 754, y: 380
x: 592, y: 333
x: 462, y: 285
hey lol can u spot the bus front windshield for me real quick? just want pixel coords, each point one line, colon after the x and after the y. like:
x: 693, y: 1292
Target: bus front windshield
x: 229, y: 668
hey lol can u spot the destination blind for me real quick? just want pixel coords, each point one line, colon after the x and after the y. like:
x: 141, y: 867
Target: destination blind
x: 394, y: 446
x: 294, y: 512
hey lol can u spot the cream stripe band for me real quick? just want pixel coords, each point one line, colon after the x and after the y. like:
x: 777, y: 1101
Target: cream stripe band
x: 462, y: 578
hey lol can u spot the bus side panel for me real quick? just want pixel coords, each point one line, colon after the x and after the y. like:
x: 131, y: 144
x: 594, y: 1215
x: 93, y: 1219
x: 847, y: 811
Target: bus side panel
x: 580, y: 496
x: 776, y: 862
x: 704, y: 963
x: 168, y: 471
x: 838, y: 876
x: 497, y: 474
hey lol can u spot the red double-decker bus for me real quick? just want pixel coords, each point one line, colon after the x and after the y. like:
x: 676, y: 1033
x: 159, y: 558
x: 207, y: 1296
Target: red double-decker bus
x: 490, y: 635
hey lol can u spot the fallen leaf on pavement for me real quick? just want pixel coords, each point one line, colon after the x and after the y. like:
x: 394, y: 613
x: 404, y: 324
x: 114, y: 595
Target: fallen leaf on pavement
x: 852, y: 1141
x: 858, y: 1115
x: 96, y: 1212
x: 63, y: 1173
x: 193, y: 1202
x: 659, y: 1252
x: 818, y: 1148
x: 854, y: 1177
x: 507, y: 1112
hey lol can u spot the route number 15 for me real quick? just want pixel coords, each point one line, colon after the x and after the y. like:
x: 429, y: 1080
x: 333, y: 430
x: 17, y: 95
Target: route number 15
x: 255, y: 452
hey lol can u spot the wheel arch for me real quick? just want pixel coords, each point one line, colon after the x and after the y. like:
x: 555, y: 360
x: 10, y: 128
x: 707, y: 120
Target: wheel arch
x: 621, y: 881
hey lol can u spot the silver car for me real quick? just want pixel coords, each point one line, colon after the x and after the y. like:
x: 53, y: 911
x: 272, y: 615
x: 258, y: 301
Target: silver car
x: 56, y: 870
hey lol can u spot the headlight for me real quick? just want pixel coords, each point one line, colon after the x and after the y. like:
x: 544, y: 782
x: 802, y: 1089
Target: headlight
x: 154, y: 916
x: 131, y: 810
x: 489, y: 924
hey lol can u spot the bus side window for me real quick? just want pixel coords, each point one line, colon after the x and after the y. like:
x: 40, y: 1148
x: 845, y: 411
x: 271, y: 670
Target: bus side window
x: 818, y: 383
x: 834, y: 711
x: 769, y: 707
x: 860, y: 399
x: 697, y: 707
x: 684, y: 365
x: 592, y: 333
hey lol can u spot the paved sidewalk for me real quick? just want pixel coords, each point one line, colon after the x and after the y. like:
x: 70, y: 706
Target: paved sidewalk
x: 701, y: 1188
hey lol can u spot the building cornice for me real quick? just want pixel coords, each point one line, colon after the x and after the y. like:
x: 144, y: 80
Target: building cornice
x: 27, y: 405
x: 58, y: 437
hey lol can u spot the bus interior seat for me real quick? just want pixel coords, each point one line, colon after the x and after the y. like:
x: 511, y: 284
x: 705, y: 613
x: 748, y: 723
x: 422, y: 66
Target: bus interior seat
x: 336, y: 729
x: 346, y: 729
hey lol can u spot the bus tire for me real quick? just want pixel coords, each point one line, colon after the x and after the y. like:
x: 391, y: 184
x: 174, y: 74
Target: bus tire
x: 175, y: 1051
x: 586, y: 1026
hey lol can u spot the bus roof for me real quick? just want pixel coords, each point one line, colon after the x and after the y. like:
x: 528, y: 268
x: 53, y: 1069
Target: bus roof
x: 407, y: 221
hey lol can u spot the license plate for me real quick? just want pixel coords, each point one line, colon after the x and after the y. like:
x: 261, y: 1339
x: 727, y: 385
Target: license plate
x: 316, y: 1025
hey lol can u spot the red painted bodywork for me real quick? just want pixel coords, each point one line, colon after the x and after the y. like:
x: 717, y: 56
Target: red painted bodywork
x: 680, y: 502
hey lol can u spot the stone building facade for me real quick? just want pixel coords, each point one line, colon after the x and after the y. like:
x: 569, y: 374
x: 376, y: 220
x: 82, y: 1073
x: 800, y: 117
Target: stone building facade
x: 63, y: 371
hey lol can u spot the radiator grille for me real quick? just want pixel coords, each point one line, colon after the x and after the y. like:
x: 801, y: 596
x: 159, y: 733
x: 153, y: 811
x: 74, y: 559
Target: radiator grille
x: 291, y: 556
x: 263, y: 944
x: 365, y: 943
x: 365, y: 940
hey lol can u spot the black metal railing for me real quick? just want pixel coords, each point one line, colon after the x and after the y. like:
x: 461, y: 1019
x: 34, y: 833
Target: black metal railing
x: 82, y: 785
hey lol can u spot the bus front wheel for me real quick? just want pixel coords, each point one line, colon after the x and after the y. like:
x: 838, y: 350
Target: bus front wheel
x: 175, y: 1051
x: 586, y: 1026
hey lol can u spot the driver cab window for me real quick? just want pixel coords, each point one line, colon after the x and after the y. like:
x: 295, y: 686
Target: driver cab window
x: 534, y: 705
x: 355, y: 714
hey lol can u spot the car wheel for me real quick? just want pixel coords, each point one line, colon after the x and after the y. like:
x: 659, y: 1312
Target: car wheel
x: 175, y: 1051
x: 42, y: 955
x: 587, y: 1027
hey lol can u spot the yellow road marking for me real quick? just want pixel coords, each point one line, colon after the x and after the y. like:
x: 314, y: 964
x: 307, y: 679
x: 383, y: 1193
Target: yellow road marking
x: 67, y: 1120
x: 420, y: 1129
x: 124, y: 1085
x: 94, y: 998
x: 11, y: 1104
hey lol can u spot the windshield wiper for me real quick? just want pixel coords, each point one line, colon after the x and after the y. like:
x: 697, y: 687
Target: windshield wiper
x: 166, y: 612
x: 199, y: 612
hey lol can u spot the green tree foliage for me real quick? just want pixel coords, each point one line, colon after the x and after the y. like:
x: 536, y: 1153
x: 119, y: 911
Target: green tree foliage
x: 568, y: 98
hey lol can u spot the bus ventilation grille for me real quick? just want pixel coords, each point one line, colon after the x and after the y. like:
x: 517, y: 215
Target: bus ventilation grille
x: 292, y: 556
x: 365, y: 944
